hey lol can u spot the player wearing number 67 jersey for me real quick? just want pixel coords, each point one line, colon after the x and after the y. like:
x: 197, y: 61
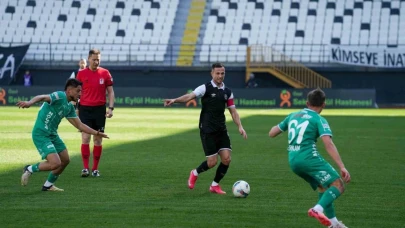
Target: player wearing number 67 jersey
x: 304, y: 128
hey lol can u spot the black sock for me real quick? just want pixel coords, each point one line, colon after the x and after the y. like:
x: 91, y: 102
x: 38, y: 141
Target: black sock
x: 221, y: 171
x: 203, y: 167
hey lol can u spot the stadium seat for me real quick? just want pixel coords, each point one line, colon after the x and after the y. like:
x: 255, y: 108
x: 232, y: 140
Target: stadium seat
x: 307, y: 23
x: 301, y: 29
x: 85, y: 21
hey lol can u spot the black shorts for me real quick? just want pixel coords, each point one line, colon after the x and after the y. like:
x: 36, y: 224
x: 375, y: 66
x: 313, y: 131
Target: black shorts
x: 214, y: 142
x: 93, y: 116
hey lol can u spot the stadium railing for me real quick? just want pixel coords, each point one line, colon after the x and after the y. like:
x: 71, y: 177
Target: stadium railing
x: 63, y: 54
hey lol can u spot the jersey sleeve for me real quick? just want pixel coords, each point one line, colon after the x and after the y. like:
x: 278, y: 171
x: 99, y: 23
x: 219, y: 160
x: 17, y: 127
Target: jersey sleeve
x: 323, y: 127
x: 283, y: 125
x: 56, y: 97
x: 108, y: 79
x: 199, y: 91
x: 230, y: 103
x: 72, y: 112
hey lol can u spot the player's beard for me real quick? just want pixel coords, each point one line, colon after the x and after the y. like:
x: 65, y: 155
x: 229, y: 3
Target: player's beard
x: 72, y: 98
x: 219, y: 81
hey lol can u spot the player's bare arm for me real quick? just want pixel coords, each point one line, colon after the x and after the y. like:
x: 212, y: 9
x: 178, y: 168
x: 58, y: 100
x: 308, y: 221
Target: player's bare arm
x: 34, y: 100
x: 274, y: 131
x: 84, y: 128
x: 183, y: 99
x: 111, y: 97
x: 236, y: 120
x: 333, y: 152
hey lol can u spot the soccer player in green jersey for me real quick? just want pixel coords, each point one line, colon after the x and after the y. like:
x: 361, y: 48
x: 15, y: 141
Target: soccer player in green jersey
x: 304, y: 127
x: 56, y: 106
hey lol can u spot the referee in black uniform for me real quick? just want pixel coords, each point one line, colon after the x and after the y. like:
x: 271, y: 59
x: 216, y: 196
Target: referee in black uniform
x: 214, y: 135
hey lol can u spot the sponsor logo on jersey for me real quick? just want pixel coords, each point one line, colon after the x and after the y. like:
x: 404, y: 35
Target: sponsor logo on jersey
x: 213, y: 95
x: 306, y: 116
x: 101, y: 81
x: 47, y: 119
x: 314, y: 151
x: 226, y: 97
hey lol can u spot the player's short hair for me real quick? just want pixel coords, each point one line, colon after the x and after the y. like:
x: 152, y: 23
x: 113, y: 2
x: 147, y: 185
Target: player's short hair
x: 217, y: 65
x: 94, y: 51
x: 72, y: 82
x: 316, y: 97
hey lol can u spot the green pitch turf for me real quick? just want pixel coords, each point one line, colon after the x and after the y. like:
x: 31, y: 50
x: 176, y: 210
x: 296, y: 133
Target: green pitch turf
x: 146, y: 163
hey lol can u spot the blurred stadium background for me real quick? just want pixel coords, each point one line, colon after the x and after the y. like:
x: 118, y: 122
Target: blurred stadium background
x: 347, y: 44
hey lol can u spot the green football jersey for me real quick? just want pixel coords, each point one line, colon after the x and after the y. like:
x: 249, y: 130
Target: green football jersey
x: 304, y: 128
x: 51, y: 114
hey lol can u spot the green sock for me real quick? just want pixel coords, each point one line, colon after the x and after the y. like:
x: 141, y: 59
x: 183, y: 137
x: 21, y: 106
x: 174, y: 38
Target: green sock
x: 329, y: 211
x: 35, y: 168
x: 330, y: 195
x: 52, y: 177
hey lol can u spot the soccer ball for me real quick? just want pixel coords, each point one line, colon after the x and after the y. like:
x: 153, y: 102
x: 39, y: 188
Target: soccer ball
x: 241, y: 189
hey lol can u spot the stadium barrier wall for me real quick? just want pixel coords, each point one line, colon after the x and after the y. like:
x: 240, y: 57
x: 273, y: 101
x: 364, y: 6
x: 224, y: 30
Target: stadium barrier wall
x: 388, y: 84
x: 244, y: 98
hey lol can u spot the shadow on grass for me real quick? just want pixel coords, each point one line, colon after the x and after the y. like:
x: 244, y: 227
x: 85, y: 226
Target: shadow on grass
x: 145, y: 182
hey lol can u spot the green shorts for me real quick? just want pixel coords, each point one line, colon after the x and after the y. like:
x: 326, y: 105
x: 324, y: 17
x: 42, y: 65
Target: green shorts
x: 316, y: 171
x: 48, y: 145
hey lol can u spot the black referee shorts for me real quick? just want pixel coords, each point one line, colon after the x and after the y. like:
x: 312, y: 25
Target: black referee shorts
x: 93, y: 116
x: 214, y: 142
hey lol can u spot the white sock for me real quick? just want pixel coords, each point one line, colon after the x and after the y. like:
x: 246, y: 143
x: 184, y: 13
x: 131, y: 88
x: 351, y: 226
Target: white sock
x: 214, y: 183
x: 30, y: 168
x: 195, y: 172
x: 48, y: 184
x: 318, y: 208
x: 334, y: 221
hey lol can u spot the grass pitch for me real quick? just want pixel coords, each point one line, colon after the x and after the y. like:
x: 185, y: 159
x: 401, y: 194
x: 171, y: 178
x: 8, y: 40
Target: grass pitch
x: 145, y: 166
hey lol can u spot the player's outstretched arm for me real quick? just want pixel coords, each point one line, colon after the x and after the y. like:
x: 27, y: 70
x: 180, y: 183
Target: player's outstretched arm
x: 34, y: 100
x: 236, y: 120
x: 274, y: 131
x: 183, y: 99
x: 84, y: 128
x: 333, y: 152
